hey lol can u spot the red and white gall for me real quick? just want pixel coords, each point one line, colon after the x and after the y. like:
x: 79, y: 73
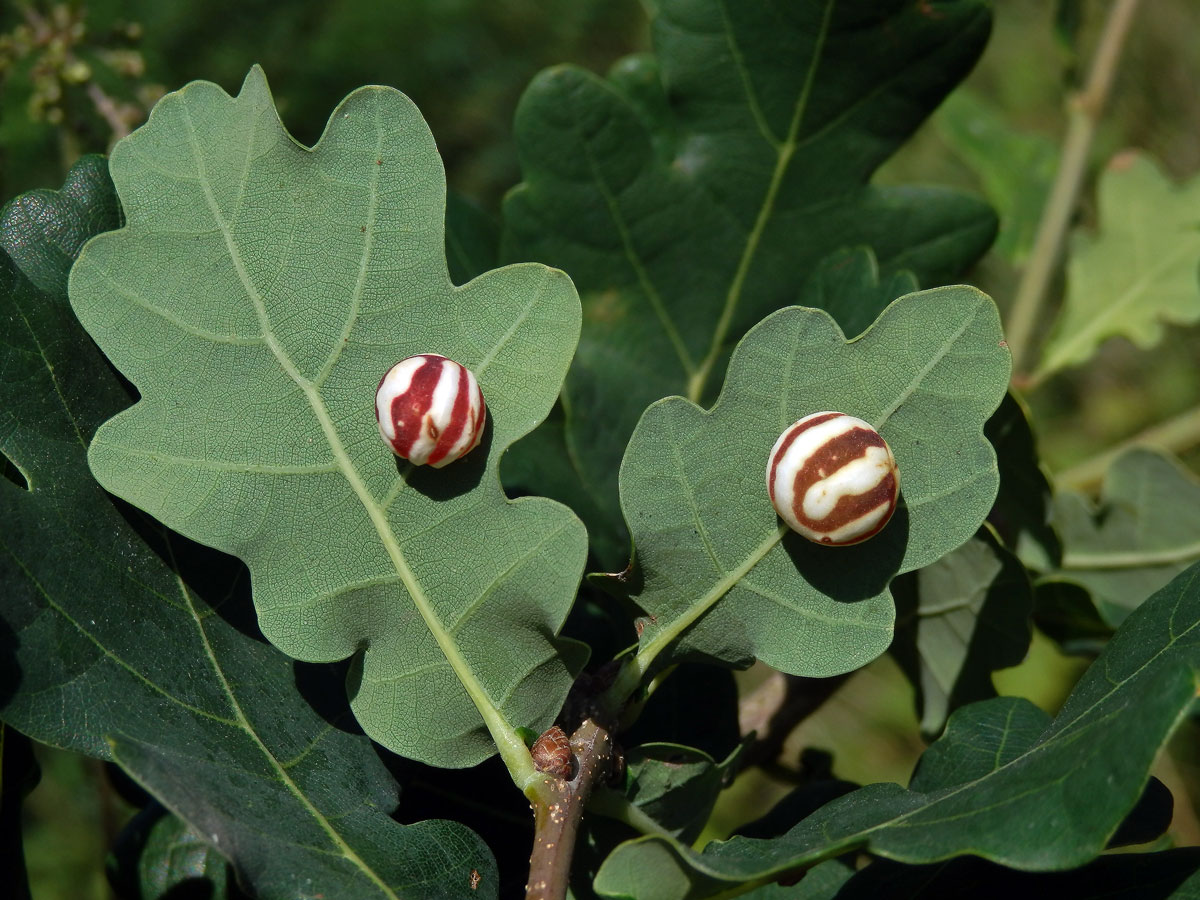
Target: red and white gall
x: 430, y: 410
x: 833, y: 479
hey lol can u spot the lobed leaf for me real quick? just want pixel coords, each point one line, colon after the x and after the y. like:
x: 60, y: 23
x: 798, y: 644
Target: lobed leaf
x: 1144, y: 531
x: 1003, y: 783
x: 1138, y: 273
x: 1015, y: 169
x: 713, y: 561
x: 694, y: 191
x: 959, y: 620
x: 255, y: 296
x: 848, y: 285
x: 115, y: 655
x: 43, y: 230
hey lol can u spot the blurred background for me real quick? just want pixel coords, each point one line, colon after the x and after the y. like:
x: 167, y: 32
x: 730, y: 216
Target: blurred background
x: 74, y: 77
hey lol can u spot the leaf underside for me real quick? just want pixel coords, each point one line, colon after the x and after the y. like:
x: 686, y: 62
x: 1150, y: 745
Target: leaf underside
x: 714, y: 562
x: 115, y: 655
x: 255, y: 297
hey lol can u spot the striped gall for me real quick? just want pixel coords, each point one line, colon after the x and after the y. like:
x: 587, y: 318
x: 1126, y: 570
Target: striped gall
x: 833, y: 478
x: 430, y: 410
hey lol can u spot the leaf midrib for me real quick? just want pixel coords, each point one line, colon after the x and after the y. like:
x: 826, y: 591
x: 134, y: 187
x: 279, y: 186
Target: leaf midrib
x: 512, y: 748
x: 784, y: 151
x: 1099, y: 325
x: 273, y: 762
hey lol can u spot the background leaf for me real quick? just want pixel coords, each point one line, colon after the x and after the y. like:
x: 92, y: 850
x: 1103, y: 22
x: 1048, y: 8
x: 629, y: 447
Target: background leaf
x: 847, y: 285
x: 43, y: 231
x: 1003, y: 783
x: 115, y: 654
x: 674, y: 786
x: 1137, y: 273
x: 1144, y: 531
x: 158, y: 857
x: 713, y: 557
x: 1015, y: 169
x: 957, y: 621
x: 695, y: 191
x: 255, y: 296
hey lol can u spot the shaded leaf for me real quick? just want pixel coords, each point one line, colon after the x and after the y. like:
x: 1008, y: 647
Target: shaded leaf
x: 1003, y: 783
x: 714, y: 562
x: 847, y: 285
x: 1066, y: 613
x: 255, y: 296
x: 674, y: 786
x: 695, y: 191
x: 696, y: 706
x: 823, y: 882
x: 158, y: 857
x: 115, y: 653
x: 1021, y: 515
x: 472, y: 239
x: 1144, y: 531
x: 1149, y: 820
x: 44, y: 230
x: 1137, y: 273
x: 1015, y: 169
x: 957, y: 621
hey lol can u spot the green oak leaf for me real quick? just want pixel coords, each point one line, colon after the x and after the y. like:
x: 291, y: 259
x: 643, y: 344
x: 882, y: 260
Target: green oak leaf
x: 255, y: 296
x: 116, y: 651
x: 672, y: 786
x: 43, y: 230
x: 847, y: 285
x: 1015, y: 169
x: 472, y: 239
x: 157, y: 856
x: 1004, y: 782
x: 696, y: 190
x: 1144, y: 531
x: 1066, y: 613
x: 1137, y: 273
x: 715, y: 565
x: 957, y: 621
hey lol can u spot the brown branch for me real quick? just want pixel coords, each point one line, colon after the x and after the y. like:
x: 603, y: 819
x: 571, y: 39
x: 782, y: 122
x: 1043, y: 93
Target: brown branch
x: 1083, y: 117
x: 777, y: 712
x: 557, y: 810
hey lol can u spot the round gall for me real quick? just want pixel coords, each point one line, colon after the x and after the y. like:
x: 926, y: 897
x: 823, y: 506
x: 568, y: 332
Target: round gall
x: 833, y: 479
x: 430, y: 410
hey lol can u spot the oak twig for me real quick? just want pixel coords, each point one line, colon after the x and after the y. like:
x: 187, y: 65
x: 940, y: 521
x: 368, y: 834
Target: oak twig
x: 558, y: 808
x: 1083, y: 116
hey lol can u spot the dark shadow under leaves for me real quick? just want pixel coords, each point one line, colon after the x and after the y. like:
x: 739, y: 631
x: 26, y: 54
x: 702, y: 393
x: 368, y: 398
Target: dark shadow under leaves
x: 857, y: 572
x: 454, y: 479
